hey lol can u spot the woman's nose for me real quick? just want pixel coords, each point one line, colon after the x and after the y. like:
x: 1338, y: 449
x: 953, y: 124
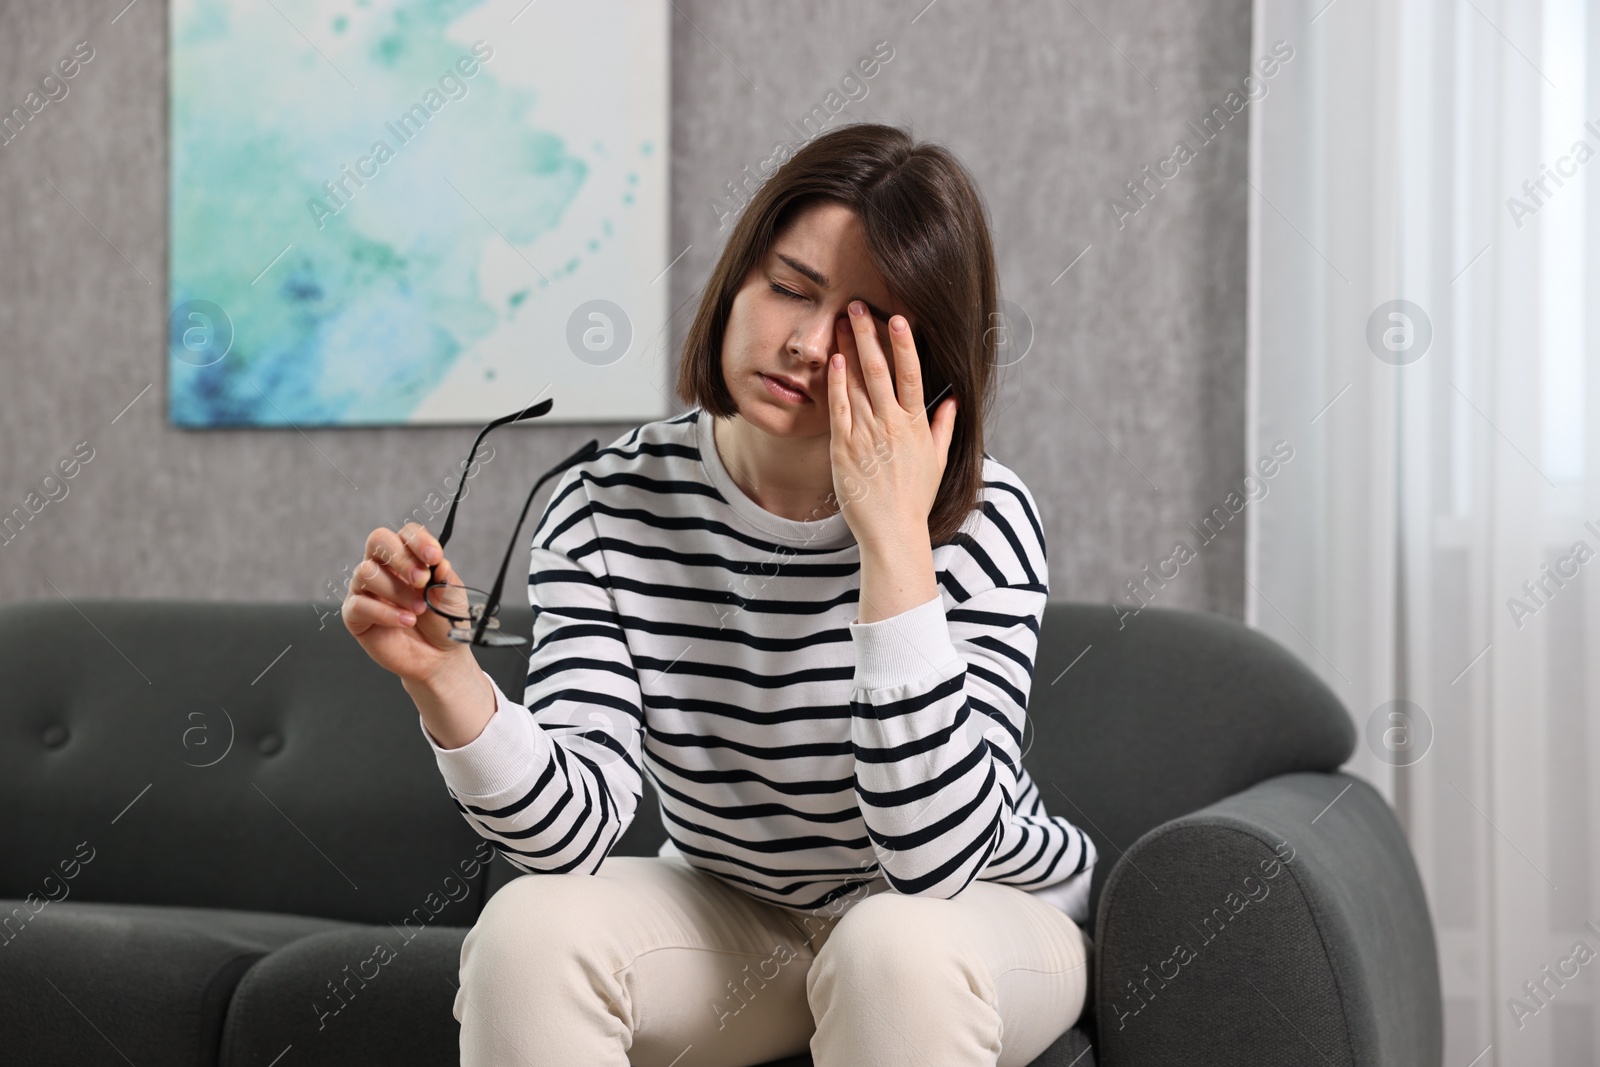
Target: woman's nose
x: 816, y: 337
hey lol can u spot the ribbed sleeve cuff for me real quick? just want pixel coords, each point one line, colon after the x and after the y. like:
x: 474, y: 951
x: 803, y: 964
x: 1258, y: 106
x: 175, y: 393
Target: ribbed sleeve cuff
x: 1070, y: 896
x: 903, y: 648
x: 496, y: 759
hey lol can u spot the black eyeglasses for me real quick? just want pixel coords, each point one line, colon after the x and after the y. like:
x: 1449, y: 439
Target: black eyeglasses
x: 473, y: 613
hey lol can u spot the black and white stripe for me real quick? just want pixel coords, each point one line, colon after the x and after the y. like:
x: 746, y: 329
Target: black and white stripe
x: 797, y: 753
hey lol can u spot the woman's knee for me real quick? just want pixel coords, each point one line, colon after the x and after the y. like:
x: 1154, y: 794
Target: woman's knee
x: 889, y: 940
x: 536, y: 924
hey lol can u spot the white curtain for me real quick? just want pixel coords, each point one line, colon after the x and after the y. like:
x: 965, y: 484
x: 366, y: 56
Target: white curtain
x: 1425, y: 269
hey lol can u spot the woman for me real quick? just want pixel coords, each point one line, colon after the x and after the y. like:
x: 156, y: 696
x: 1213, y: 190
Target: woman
x: 811, y: 611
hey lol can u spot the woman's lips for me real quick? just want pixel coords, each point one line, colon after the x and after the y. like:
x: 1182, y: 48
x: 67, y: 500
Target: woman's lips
x: 780, y: 388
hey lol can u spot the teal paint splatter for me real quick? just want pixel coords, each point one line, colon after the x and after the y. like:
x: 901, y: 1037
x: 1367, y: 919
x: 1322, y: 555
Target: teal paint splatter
x: 363, y: 318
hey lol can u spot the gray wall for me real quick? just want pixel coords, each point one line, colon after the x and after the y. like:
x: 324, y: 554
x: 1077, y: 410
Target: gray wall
x: 1053, y: 106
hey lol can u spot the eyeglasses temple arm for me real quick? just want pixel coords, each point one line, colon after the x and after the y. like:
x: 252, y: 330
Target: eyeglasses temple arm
x: 493, y: 605
x: 532, y: 411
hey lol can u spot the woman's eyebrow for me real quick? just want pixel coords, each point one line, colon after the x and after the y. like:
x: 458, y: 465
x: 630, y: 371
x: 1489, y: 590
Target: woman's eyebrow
x: 822, y: 280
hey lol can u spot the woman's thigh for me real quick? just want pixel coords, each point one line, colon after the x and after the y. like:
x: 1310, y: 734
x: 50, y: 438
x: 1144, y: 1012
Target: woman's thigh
x: 648, y: 962
x: 990, y: 976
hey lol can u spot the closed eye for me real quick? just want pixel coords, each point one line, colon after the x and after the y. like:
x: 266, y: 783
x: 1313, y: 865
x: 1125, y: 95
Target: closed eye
x: 881, y: 321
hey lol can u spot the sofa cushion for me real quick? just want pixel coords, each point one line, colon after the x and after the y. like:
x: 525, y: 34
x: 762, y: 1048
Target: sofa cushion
x: 359, y: 994
x: 118, y: 983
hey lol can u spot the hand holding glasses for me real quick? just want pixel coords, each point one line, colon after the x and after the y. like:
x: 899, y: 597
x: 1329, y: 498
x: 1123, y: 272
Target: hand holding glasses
x: 473, y: 613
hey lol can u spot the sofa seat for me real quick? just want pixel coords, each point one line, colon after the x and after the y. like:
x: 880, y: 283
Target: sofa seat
x: 240, y: 988
x: 120, y: 983
x: 357, y: 994
x: 336, y: 998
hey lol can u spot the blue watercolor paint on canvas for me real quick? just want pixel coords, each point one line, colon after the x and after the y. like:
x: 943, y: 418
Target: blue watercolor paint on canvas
x: 274, y: 146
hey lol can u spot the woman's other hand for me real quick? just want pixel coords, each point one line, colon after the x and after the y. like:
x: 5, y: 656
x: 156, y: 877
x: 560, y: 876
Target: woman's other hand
x: 385, y: 611
x: 883, y: 446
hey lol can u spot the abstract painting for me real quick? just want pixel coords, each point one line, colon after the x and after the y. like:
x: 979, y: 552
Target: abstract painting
x: 407, y: 212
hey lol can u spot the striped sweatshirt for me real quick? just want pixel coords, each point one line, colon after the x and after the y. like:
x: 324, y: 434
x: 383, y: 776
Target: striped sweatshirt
x: 681, y: 629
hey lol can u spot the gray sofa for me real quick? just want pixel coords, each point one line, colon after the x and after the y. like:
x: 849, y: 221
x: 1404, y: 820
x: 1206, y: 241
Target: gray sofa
x: 218, y: 812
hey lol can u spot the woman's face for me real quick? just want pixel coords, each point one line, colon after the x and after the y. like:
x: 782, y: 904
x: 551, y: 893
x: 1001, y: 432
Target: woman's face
x: 822, y: 262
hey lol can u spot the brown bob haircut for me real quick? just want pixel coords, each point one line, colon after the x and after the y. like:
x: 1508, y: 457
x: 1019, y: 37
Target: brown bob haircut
x: 927, y: 232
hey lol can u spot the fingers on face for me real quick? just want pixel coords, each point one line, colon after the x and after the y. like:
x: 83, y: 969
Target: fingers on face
x: 845, y: 338
x: 907, y: 365
x: 838, y: 395
x: 876, y: 345
x: 855, y: 382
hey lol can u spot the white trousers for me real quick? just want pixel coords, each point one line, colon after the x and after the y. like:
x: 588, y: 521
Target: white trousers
x: 652, y: 963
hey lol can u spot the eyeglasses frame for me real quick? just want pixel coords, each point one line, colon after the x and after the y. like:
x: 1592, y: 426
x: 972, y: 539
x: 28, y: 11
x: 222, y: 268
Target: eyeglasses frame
x: 492, y: 605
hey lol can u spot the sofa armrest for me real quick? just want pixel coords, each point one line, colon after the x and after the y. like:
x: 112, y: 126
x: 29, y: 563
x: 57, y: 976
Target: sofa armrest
x: 1286, y: 918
